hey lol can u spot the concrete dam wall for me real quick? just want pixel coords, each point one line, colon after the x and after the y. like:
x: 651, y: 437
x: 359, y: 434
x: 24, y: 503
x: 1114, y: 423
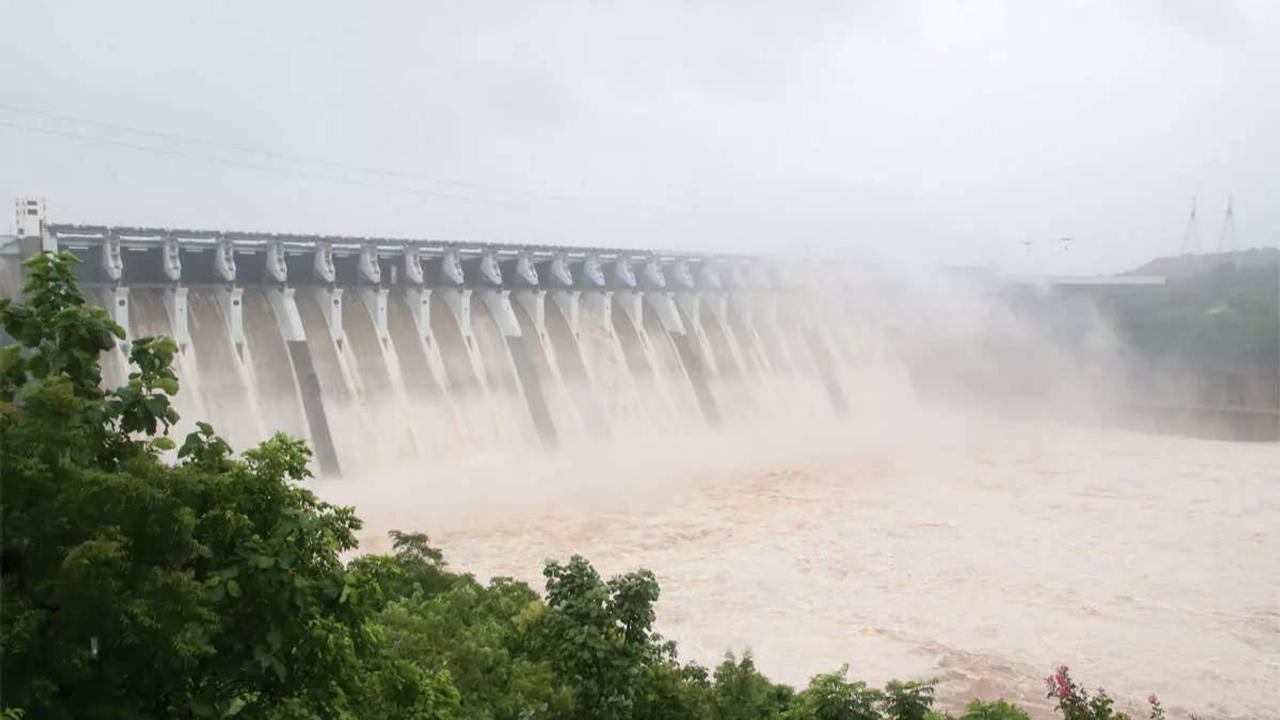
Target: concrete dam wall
x: 378, y: 351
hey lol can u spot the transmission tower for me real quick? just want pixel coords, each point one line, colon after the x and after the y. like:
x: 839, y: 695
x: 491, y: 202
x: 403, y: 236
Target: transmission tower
x: 1227, y: 241
x: 1191, y: 236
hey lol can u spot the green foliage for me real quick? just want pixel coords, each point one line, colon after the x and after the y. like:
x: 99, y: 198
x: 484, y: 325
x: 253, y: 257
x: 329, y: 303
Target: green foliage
x: 742, y: 693
x: 57, y: 334
x: 142, y: 406
x: 998, y: 710
x: 671, y: 691
x: 1223, y: 317
x: 479, y: 636
x: 833, y: 697
x: 597, y: 635
x: 414, y: 567
x: 137, y: 589
x: 907, y: 700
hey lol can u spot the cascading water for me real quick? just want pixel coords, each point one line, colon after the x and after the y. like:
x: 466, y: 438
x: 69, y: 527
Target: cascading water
x: 512, y: 424
x: 346, y: 416
x: 405, y: 396
x: 224, y: 379
x: 611, y: 377
x: 148, y: 316
x: 432, y: 411
x: 646, y: 376
x: 670, y: 368
x: 394, y: 356
x: 267, y: 358
x: 733, y: 394
x: 570, y: 359
x: 563, y: 413
x: 381, y: 390
x: 464, y: 387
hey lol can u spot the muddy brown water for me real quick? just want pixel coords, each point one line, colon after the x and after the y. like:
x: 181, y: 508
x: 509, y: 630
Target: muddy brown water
x: 982, y: 553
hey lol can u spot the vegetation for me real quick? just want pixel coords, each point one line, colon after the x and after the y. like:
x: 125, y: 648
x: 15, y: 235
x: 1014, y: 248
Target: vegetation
x: 1214, y: 318
x: 143, y: 580
x: 1221, y: 318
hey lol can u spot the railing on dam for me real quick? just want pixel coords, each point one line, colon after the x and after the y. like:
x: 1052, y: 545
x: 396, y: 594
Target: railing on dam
x: 379, y: 350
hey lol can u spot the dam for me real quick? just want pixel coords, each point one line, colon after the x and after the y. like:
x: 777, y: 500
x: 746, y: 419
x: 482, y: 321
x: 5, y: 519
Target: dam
x: 383, y: 352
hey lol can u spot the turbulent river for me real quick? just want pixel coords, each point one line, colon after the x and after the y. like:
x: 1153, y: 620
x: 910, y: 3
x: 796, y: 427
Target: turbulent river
x: 979, y: 552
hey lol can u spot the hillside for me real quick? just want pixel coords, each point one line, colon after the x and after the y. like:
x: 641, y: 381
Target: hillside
x: 1185, y: 265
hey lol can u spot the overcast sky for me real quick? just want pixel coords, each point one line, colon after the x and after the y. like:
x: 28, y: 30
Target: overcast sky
x: 928, y: 131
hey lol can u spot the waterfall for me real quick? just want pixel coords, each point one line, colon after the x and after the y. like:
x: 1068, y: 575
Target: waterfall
x: 380, y: 388
x: 383, y: 374
x: 637, y: 350
x: 441, y: 428
x: 377, y: 389
x: 544, y: 375
x: 567, y: 348
x: 670, y: 368
x: 225, y: 383
x: 270, y: 369
x: 147, y: 316
x: 611, y: 377
x: 512, y: 424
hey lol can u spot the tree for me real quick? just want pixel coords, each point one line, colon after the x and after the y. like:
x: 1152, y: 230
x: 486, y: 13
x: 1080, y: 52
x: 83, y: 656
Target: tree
x: 998, y: 710
x: 477, y: 635
x: 907, y: 700
x: 598, y: 635
x: 741, y: 692
x: 833, y: 697
x: 138, y: 589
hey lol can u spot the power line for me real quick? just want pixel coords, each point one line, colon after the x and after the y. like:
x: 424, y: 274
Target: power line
x: 247, y: 165
x: 295, y: 158
x: 275, y: 155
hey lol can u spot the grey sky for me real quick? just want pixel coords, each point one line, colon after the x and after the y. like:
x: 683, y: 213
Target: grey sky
x: 927, y: 131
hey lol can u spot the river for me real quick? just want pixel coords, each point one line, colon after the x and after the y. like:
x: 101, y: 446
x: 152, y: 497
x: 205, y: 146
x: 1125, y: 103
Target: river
x: 977, y: 551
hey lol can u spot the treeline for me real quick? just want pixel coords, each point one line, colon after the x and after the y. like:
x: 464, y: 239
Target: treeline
x: 142, y: 579
x: 1223, y: 317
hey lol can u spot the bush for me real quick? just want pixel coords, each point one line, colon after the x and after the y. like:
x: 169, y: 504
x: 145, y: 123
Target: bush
x: 998, y: 710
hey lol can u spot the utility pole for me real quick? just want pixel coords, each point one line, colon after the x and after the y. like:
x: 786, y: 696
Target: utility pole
x: 1191, y: 237
x: 1227, y: 241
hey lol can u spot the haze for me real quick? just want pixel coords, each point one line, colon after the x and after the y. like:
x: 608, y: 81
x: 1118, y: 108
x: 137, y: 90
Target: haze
x: 922, y: 131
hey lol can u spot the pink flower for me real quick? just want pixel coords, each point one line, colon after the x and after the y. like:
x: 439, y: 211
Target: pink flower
x: 1060, y: 683
x: 1153, y: 699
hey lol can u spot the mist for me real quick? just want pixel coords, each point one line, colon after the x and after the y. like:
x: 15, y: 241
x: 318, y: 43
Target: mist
x: 920, y: 131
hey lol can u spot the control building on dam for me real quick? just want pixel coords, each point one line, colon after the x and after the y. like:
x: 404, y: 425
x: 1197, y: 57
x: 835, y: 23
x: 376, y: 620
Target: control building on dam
x: 380, y: 350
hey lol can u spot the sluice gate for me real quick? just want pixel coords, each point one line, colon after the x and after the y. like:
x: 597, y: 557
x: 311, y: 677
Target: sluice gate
x: 380, y: 350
